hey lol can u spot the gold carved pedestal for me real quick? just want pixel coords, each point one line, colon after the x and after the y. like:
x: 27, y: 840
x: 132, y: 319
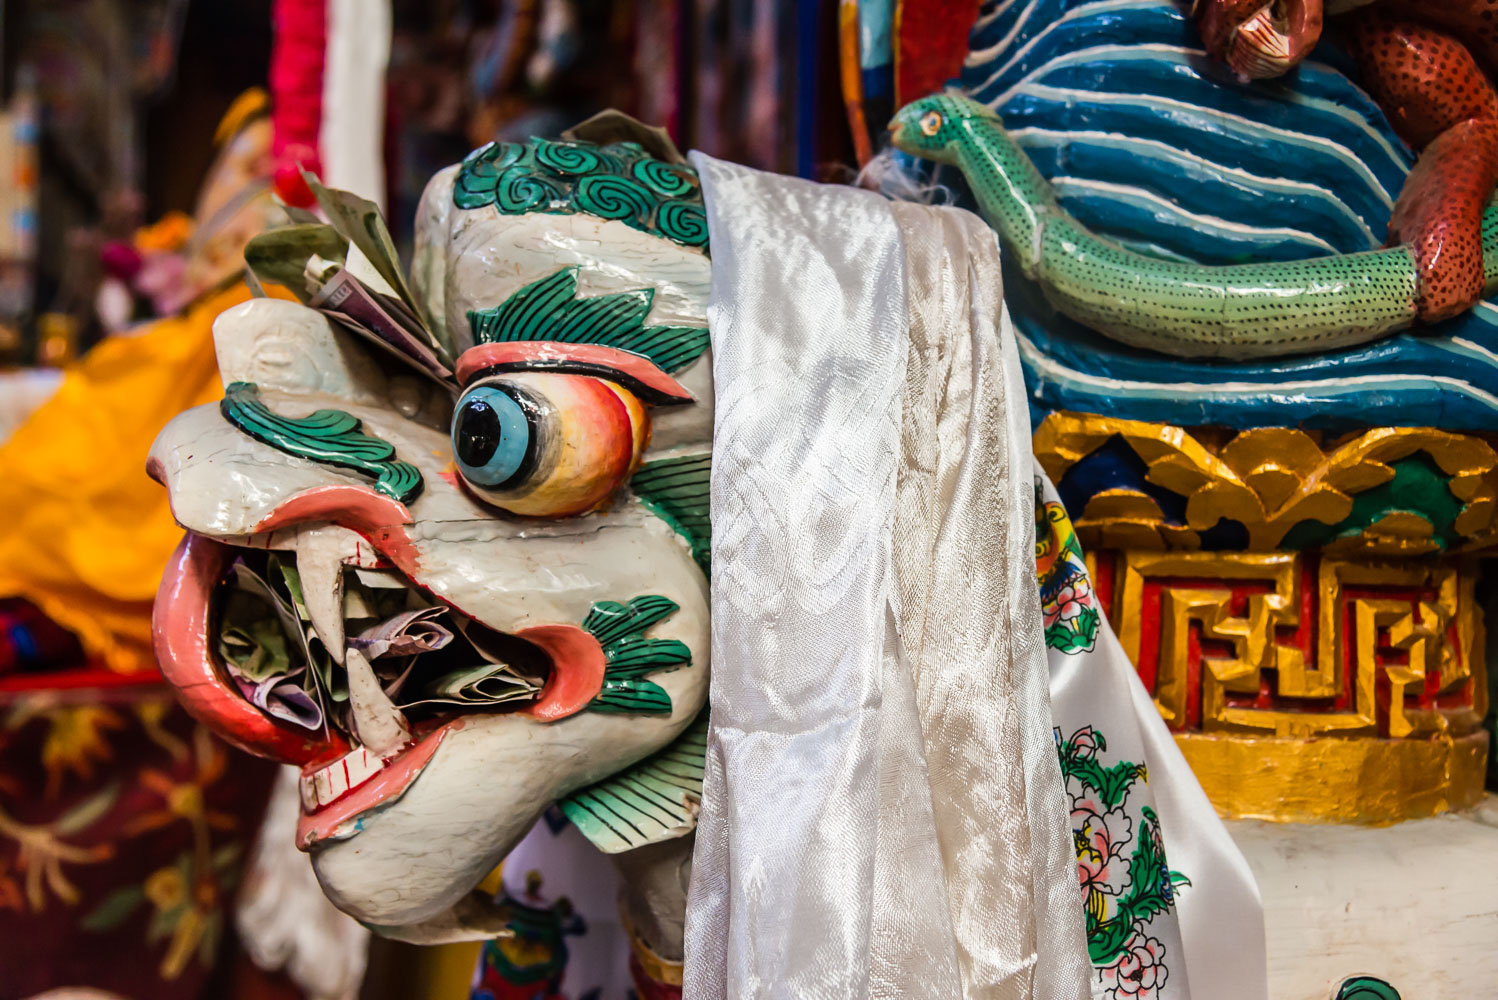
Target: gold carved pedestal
x: 1329, y: 666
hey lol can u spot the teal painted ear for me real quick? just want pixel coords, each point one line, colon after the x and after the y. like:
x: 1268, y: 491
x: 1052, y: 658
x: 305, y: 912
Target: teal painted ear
x: 1366, y: 988
x: 652, y: 801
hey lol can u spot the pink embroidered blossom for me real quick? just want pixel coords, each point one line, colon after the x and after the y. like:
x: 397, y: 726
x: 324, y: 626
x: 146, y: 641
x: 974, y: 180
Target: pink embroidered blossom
x: 1085, y: 741
x: 1072, y: 600
x: 1139, y: 973
x: 1101, y: 838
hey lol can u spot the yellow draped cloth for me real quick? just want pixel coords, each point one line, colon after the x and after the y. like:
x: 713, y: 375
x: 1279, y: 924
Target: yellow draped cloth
x: 85, y: 532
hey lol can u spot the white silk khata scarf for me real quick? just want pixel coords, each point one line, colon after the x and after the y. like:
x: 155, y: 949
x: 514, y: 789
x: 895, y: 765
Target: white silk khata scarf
x: 883, y: 812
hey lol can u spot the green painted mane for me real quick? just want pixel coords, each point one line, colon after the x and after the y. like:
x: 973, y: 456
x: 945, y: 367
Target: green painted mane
x: 617, y: 181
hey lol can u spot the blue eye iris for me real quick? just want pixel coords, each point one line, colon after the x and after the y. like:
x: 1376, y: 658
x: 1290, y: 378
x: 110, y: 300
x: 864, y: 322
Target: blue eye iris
x: 492, y: 437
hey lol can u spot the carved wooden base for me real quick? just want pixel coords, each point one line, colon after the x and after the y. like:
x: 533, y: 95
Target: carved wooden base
x: 1308, y: 688
x: 1301, y: 606
x: 1337, y: 780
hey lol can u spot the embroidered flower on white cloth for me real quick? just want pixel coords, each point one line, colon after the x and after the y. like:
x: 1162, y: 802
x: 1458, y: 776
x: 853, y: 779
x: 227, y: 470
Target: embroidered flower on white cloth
x: 1101, y: 838
x: 1084, y: 741
x: 1138, y: 974
x: 1073, y: 599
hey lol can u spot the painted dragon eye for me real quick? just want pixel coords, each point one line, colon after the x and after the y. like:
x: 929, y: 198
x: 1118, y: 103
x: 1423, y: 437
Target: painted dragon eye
x: 494, y: 437
x: 545, y: 444
x: 931, y: 123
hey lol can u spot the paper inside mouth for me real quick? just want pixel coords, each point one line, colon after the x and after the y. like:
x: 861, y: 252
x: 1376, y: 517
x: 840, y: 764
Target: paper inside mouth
x: 374, y: 660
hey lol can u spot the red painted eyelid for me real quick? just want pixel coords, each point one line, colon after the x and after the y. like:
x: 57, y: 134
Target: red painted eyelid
x: 541, y: 353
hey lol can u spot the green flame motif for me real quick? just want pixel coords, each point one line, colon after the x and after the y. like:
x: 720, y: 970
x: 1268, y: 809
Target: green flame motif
x: 331, y: 437
x: 550, y: 310
x: 630, y: 656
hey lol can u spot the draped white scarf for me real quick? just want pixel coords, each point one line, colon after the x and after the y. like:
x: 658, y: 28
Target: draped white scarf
x: 883, y: 811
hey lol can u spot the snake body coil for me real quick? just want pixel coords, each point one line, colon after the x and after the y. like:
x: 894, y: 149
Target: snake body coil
x: 1233, y: 311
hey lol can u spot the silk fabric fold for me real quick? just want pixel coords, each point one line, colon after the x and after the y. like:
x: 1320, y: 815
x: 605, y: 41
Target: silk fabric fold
x: 1210, y: 942
x: 883, y: 811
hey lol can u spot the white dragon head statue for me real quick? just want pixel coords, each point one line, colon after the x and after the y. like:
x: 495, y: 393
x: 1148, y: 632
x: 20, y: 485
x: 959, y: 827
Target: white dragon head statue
x: 447, y: 539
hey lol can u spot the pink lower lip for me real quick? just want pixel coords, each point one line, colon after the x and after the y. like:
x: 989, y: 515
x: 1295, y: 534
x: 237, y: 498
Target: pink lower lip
x: 341, y: 817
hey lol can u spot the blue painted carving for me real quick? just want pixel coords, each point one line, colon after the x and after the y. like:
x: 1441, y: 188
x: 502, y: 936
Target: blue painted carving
x: 1152, y: 144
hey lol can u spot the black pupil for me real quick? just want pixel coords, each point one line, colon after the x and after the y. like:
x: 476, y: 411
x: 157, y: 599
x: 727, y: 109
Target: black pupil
x: 478, y: 433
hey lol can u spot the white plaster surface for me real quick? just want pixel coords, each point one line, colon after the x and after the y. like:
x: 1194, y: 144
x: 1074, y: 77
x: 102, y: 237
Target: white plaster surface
x: 1415, y: 904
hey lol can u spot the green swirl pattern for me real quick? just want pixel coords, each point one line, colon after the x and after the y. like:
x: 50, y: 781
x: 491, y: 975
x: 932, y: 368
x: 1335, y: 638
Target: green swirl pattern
x: 1366, y: 988
x: 667, y: 180
x: 683, y: 223
x: 331, y: 437
x: 573, y: 159
x: 618, y: 181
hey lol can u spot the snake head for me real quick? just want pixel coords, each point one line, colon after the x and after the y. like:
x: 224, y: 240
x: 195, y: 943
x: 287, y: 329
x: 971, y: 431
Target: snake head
x: 1259, y: 39
x: 928, y: 127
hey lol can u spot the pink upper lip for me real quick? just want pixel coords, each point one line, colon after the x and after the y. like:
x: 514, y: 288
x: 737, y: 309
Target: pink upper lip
x: 182, y: 628
x: 181, y: 620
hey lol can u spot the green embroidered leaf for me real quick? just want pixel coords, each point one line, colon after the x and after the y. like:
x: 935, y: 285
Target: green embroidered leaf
x: 114, y: 909
x: 226, y: 856
x: 213, y: 926
x: 88, y: 812
x: 162, y: 922
x: 328, y: 436
x: 649, y: 802
x: 1110, y: 783
x: 1107, y: 941
x: 1151, y: 883
x: 550, y: 310
x: 678, y: 490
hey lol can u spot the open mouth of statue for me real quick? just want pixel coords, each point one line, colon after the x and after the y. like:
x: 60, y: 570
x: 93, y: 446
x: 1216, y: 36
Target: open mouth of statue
x: 325, y: 655
x: 426, y: 659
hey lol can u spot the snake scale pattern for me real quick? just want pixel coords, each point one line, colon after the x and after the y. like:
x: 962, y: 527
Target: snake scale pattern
x: 1236, y: 311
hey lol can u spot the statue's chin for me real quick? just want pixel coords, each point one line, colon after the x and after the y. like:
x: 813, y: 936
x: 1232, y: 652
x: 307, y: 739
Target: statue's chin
x: 444, y: 824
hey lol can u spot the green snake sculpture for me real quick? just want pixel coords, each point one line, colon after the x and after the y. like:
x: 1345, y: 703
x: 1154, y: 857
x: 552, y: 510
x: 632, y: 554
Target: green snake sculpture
x: 1235, y: 311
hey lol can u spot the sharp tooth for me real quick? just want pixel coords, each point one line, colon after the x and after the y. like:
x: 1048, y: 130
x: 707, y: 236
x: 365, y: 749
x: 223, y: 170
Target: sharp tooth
x: 319, y: 563
x: 379, y: 725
